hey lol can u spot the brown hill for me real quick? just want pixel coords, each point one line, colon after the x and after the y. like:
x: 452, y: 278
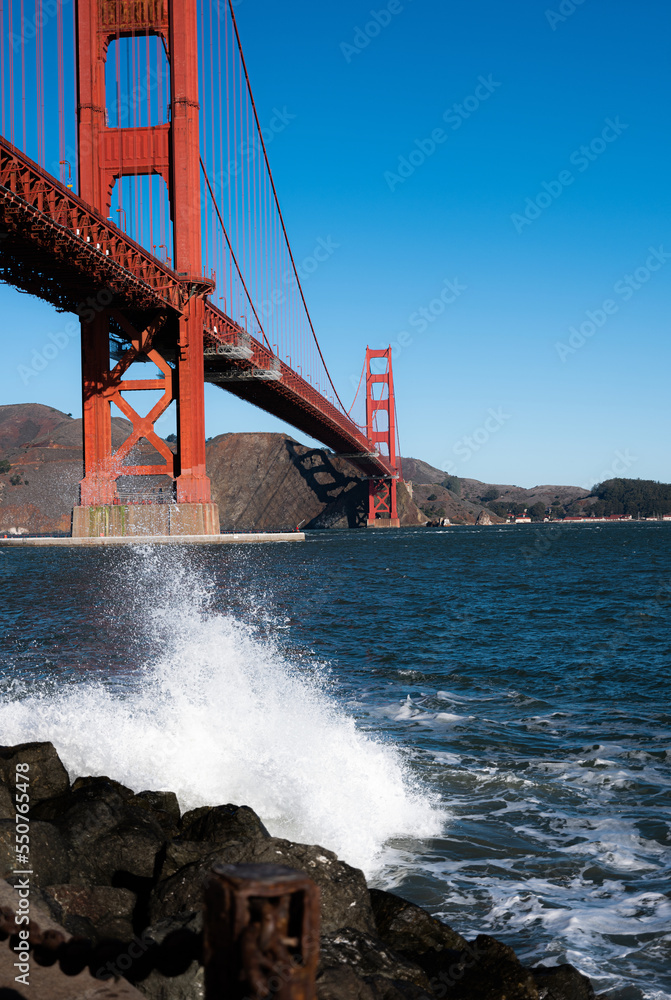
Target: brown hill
x: 473, y: 496
x: 260, y: 481
x: 436, y: 502
x: 24, y: 423
x: 44, y: 449
x: 472, y: 489
x: 420, y: 473
x: 264, y: 481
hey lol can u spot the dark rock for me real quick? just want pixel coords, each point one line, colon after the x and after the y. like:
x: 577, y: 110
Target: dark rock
x: 485, y: 970
x: 48, y: 854
x: 208, y: 829
x: 164, y: 806
x: 181, y: 854
x: 7, y: 810
x: 110, y: 833
x: 562, y: 982
x: 95, y: 913
x: 161, y: 932
x: 222, y: 824
x: 345, y: 901
x: 368, y: 957
x: 93, y: 784
x: 130, y: 849
x: 342, y: 983
x: 414, y: 933
x: 91, y: 803
x: 386, y: 989
x: 47, y: 776
x: 175, y: 951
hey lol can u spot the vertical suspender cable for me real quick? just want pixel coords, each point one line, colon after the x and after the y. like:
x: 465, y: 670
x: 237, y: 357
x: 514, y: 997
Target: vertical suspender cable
x: 211, y: 99
x: 10, y: 4
x: 163, y: 105
x: 137, y: 93
x: 221, y: 271
x: 247, y: 217
x: 277, y: 202
x: 201, y: 15
x: 75, y: 165
x: 61, y: 82
x: 117, y: 70
x: 39, y: 64
x: 148, y: 183
x: 154, y: 184
x: 2, y: 64
x: 233, y: 219
x: 23, y: 84
x: 232, y: 251
x: 225, y: 170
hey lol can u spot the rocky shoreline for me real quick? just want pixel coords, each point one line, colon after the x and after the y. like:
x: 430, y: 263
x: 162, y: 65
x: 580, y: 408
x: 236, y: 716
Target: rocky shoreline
x: 125, y: 872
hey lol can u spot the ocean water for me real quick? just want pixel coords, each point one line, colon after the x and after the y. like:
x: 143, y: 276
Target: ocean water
x: 478, y: 717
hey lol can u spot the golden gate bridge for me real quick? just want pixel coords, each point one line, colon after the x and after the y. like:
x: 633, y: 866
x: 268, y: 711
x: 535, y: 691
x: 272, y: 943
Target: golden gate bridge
x: 136, y: 191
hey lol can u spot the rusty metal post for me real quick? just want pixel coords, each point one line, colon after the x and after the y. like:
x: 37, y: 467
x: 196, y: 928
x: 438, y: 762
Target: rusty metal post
x: 261, y: 934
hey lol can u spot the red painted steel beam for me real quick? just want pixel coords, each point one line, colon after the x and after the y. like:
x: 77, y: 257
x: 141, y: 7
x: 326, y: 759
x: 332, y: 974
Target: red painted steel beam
x: 294, y: 399
x: 382, y: 491
x: 60, y: 249
x: 36, y: 209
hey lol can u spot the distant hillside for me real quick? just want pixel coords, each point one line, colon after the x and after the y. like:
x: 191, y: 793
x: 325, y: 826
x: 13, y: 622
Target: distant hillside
x: 473, y: 488
x: 420, y: 473
x: 439, y: 495
x: 271, y: 481
x: 631, y: 498
x: 463, y: 500
x: 260, y: 481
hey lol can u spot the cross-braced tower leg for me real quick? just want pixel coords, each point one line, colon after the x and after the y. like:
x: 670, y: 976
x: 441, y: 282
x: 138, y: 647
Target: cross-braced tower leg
x: 382, y: 507
x: 106, y: 155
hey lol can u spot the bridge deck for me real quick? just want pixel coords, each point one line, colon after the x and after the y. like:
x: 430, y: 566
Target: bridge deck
x: 56, y: 247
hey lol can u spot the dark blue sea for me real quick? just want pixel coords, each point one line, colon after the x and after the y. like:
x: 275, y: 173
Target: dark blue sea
x: 478, y: 717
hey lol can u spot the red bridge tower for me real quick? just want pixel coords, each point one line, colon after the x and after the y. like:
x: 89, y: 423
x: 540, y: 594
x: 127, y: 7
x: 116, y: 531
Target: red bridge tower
x: 382, y: 509
x: 105, y: 155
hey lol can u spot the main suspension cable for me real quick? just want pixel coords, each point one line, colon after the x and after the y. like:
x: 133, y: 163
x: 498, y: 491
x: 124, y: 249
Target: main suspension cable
x: 277, y: 201
x: 232, y: 252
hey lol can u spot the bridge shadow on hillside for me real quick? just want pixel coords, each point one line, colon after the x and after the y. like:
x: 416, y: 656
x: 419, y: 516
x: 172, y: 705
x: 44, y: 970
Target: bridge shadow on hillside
x: 344, y: 496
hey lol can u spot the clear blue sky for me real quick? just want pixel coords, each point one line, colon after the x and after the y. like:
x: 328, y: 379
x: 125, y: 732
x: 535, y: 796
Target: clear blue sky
x: 531, y: 94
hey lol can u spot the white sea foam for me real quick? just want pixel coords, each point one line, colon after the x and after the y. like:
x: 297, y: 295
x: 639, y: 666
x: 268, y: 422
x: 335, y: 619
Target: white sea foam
x: 221, y: 714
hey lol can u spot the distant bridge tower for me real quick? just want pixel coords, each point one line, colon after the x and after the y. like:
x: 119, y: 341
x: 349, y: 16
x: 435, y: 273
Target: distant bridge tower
x: 382, y: 507
x: 171, y: 151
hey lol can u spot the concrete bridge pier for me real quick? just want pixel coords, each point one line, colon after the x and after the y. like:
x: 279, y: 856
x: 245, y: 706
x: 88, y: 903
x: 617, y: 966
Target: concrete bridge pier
x: 119, y: 520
